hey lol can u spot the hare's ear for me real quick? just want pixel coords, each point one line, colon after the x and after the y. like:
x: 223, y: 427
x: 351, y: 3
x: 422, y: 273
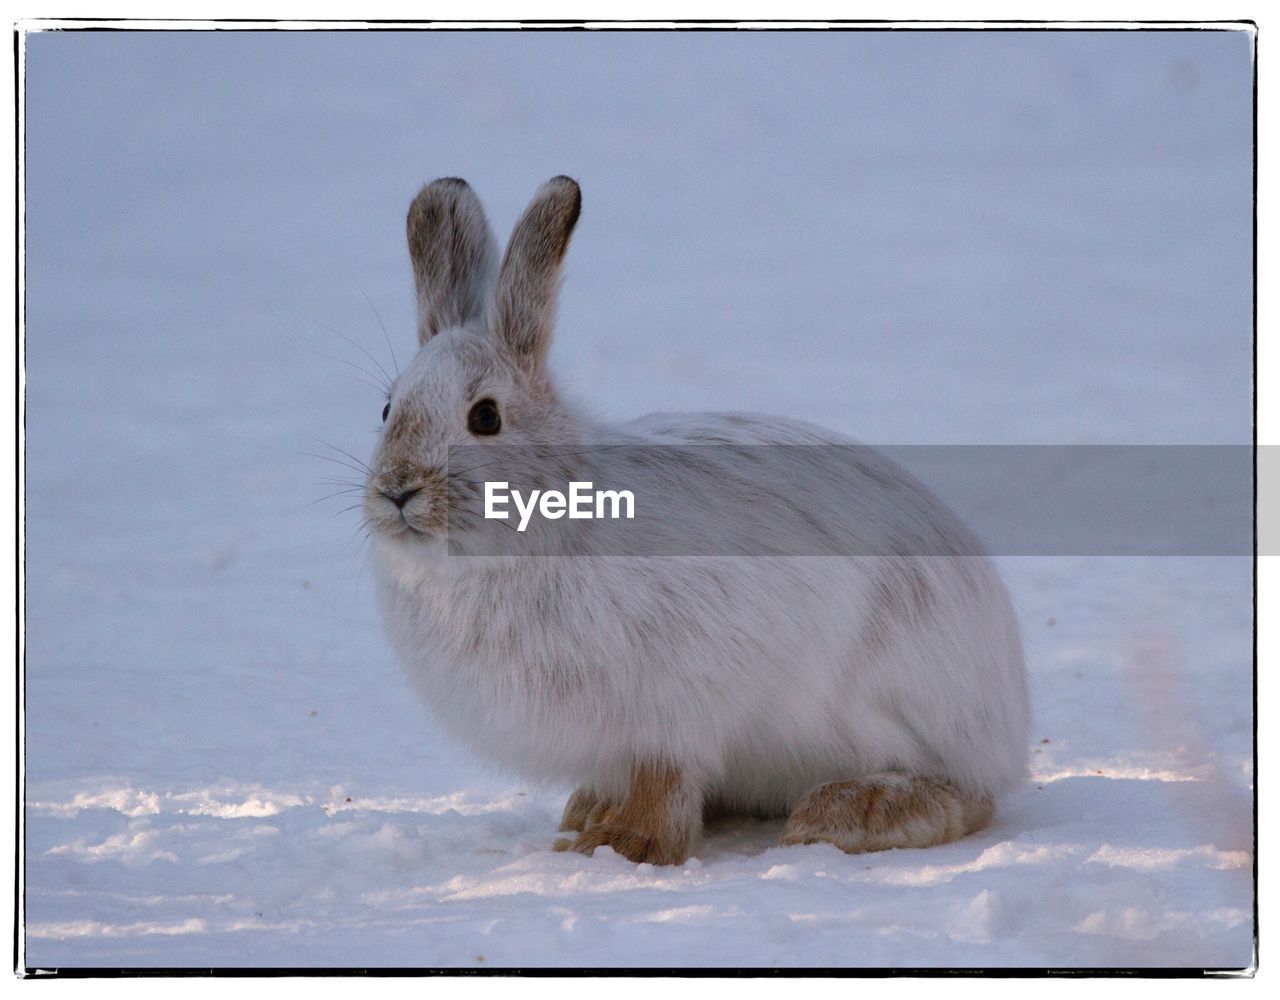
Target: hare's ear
x: 454, y: 255
x: 524, y: 311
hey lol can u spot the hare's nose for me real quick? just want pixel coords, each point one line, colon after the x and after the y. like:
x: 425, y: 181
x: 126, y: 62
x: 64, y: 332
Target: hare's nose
x: 403, y: 498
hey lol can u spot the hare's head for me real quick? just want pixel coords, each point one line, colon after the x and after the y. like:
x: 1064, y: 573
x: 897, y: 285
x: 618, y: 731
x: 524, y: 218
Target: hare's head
x: 479, y: 377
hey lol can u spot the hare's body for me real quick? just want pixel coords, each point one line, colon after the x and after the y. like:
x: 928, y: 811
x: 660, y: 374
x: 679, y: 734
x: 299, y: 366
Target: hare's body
x: 879, y: 700
x: 763, y: 676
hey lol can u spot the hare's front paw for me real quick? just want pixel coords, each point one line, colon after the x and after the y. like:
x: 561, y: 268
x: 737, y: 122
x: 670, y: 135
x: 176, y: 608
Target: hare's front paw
x: 632, y: 844
x: 656, y: 822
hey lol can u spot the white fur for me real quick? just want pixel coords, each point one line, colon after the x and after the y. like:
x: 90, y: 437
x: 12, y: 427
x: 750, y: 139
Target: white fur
x: 758, y: 676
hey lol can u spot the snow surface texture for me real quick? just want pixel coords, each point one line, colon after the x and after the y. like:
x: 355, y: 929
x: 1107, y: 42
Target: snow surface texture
x: 912, y: 238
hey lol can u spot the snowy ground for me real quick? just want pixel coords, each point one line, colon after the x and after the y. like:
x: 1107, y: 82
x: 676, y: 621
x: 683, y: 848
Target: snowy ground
x: 994, y: 238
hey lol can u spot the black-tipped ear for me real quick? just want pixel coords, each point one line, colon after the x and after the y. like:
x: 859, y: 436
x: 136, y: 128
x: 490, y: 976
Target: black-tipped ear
x: 524, y: 313
x: 454, y: 255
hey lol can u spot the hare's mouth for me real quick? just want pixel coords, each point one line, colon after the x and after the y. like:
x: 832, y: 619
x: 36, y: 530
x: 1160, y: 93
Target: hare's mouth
x: 404, y: 533
x: 412, y: 528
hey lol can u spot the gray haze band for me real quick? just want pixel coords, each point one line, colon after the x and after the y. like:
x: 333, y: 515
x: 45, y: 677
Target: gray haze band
x: 788, y: 500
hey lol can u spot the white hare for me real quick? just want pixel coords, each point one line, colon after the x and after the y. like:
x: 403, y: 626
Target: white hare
x: 875, y: 700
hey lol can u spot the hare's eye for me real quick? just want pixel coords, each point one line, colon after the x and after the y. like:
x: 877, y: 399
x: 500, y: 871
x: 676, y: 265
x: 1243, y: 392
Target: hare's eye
x: 386, y: 412
x: 484, y: 418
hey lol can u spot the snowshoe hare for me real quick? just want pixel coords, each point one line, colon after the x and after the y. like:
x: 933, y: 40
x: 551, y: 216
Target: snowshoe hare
x: 875, y: 701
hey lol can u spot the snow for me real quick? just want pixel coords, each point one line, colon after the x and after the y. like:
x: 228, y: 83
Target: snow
x: 913, y: 238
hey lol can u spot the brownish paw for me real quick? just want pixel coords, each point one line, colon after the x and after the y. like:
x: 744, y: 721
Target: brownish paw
x: 631, y: 844
x: 885, y: 811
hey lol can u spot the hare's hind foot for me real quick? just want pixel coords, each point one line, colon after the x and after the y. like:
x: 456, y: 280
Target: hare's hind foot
x: 656, y: 822
x: 883, y: 811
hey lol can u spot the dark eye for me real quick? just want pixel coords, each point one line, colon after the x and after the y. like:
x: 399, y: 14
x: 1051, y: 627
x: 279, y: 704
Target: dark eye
x: 386, y: 412
x: 484, y: 418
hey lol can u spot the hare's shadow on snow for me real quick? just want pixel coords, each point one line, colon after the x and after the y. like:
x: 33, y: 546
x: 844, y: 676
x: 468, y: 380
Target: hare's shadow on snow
x: 1089, y: 810
x: 1119, y: 811
x: 1082, y: 812
x: 738, y: 836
